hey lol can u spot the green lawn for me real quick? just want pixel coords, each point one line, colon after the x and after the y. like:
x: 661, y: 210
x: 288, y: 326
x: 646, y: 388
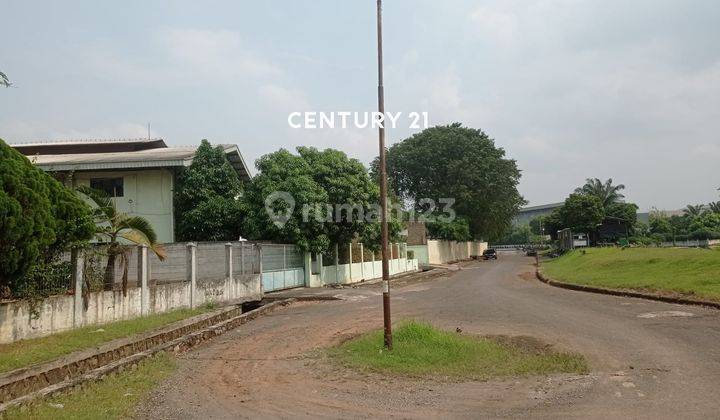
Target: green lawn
x: 419, y: 349
x: 29, y: 352
x: 685, y: 271
x: 114, y: 397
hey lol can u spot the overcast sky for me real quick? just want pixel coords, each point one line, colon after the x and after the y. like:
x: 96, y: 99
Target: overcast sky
x: 571, y: 89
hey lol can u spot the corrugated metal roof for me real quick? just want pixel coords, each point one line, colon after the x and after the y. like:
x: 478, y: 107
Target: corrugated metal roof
x: 151, y: 158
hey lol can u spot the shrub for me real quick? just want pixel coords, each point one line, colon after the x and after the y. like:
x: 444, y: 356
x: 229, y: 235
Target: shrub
x: 39, y: 218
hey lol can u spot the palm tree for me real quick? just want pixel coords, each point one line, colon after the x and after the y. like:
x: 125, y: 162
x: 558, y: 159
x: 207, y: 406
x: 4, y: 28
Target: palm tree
x: 714, y: 207
x: 693, y: 211
x: 113, y: 225
x: 607, y: 192
x: 4, y: 81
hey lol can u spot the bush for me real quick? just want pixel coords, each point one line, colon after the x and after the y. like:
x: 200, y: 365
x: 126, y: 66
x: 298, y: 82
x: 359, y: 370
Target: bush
x: 411, y: 255
x: 39, y: 218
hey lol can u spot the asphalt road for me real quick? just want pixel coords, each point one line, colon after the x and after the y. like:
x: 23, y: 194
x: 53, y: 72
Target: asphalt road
x: 648, y: 359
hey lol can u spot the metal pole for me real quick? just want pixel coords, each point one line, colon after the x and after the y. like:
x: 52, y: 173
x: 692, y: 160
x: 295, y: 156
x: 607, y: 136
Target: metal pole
x: 383, y: 188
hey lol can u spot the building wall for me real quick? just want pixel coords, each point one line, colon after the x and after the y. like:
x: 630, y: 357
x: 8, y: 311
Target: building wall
x: 147, y: 193
x: 441, y: 252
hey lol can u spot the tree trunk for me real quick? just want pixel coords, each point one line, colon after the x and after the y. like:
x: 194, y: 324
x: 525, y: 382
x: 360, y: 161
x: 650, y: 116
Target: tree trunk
x: 110, y: 269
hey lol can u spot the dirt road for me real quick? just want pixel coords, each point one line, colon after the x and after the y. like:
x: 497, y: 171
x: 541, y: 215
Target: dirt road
x: 648, y: 359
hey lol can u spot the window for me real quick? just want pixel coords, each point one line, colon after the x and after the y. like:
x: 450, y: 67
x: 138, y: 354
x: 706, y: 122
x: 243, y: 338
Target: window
x: 112, y: 186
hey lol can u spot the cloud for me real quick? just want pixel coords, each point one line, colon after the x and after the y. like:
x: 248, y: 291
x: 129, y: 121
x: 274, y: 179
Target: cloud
x: 22, y: 131
x: 186, y: 57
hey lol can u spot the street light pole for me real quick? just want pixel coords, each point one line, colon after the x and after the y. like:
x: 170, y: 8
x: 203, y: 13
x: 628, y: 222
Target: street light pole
x: 383, y: 189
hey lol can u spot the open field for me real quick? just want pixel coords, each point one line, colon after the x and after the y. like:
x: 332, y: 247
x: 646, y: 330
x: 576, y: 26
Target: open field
x: 113, y: 397
x: 419, y: 349
x: 37, y: 350
x: 690, y: 271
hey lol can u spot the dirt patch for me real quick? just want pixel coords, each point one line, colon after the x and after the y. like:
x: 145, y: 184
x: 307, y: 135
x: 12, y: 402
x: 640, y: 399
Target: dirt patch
x: 524, y: 343
x: 528, y: 276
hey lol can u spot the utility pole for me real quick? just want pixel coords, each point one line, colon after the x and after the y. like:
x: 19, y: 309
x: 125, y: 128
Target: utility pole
x: 383, y: 189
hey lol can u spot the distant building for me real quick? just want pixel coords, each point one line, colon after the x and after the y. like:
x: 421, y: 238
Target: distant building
x: 139, y: 173
x: 528, y: 213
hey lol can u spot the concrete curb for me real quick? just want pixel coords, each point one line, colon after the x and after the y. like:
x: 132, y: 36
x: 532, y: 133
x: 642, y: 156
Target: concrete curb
x: 29, y: 387
x: 623, y: 293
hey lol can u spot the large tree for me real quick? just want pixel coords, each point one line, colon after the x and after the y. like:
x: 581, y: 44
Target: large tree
x: 463, y: 164
x: 207, y: 198
x: 318, y: 198
x: 606, y: 192
x: 39, y: 218
x: 581, y: 213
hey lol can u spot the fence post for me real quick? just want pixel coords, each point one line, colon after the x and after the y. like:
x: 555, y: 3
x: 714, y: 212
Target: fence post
x: 260, y: 258
x: 405, y: 254
x: 320, y: 267
x: 373, y: 264
x: 192, y: 270
x: 78, y: 264
x: 284, y: 270
x: 228, y: 261
x: 142, y: 267
x: 336, y: 263
x: 242, y: 257
x: 307, y: 262
x: 362, y: 262
x: 350, y: 262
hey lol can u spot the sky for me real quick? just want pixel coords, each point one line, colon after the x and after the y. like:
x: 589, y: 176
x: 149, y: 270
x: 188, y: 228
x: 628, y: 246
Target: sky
x: 571, y: 89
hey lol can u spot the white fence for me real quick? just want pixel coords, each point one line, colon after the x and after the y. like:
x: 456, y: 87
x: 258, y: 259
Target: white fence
x: 192, y: 275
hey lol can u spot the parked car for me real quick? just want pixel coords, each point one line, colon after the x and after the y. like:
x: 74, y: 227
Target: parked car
x: 531, y: 252
x: 489, y: 254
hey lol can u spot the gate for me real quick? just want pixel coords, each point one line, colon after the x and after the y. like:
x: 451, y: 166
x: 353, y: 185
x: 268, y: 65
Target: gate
x: 282, y: 267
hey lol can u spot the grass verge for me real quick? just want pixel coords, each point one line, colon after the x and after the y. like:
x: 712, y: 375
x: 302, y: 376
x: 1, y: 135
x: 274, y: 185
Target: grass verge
x: 419, y: 349
x: 694, y: 272
x: 37, y: 350
x: 116, y: 396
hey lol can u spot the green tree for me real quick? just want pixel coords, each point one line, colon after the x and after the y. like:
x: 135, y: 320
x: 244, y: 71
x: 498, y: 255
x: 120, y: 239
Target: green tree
x: 27, y: 226
x: 456, y: 230
x: 539, y: 225
x: 207, y: 198
x: 39, y: 218
x: 349, y: 190
x: 626, y: 212
x: 693, y: 210
x: 606, y: 192
x: 714, y: 207
x: 463, y: 164
x: 111, y: 226
x: 705, y: 226
x: 323, y: 197
x: 283, y: 173
x: 581, y: 213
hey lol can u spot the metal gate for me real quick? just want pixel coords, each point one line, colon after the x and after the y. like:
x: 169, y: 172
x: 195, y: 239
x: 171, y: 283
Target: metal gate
x: 282, y: 267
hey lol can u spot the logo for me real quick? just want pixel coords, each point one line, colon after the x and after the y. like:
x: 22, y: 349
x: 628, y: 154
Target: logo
x: 279, y: 206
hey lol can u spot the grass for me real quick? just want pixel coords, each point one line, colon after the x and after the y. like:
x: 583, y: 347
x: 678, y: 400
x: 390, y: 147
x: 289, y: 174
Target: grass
x: 116, y: 396
x: 683, y: 271
x: 37, y: 350
x: 419, y: 349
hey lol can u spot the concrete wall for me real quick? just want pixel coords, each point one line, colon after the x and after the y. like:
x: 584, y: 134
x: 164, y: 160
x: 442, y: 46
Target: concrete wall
x: 57, y: 312
x: 147, y: 193
x: 355, y: 272
x: 442, y: 252
x: 420, y: 253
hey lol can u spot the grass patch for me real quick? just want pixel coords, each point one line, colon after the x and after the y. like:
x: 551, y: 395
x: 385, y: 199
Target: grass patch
x: 692, y: 271
x: 113, y: 397
x: 37, y: 350
x: 419, y: 349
